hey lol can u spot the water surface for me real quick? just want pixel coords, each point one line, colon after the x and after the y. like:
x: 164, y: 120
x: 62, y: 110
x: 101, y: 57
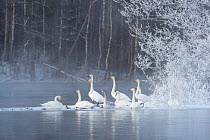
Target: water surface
x: 185, y: 124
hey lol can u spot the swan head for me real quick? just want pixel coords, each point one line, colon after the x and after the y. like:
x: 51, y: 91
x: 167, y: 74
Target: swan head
x: 90, y: 75
x: 103, y: 91
x: 132, y: 89
x: 59, y: 97
x: 137, y: 80
x: 77, y: 91
x: 112, y: 77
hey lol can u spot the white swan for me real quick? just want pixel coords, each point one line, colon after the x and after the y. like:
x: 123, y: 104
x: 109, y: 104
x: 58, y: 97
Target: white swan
x: 105, y: 100
x: 82, y: 104
x: 106, y: 104
x: 141, y: 97
x: 121, y: 103
x: 113, y: 93
x: 170, y: 101
x: 94, y: 95
x: 50, y: 105
x: 134, y: 105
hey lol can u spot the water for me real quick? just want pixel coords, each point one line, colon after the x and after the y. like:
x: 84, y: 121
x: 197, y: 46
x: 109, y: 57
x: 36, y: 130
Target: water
x: 185, y: 124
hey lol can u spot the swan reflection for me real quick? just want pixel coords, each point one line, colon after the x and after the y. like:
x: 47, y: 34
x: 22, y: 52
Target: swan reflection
x: 52, y: 116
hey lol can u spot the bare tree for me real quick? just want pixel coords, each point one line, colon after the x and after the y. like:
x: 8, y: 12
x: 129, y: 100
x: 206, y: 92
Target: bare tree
x: 5, y: 31
x: 86, y: 38
x: 110, y: 39
x: 101, y: 31
x: 11, y: 55
x: 61, y: 33
x: 43, y: 25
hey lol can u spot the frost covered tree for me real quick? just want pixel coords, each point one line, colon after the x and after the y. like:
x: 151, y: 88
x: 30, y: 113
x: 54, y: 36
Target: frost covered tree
x: 174, y: 43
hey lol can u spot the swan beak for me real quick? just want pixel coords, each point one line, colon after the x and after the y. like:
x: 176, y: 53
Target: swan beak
x: 89, y: 80
x: 90, y: 75
x: 110, y: 77
x: 135, y: 81
x: 167, y: 89
x: 116, y: 93
x: 131, y: 89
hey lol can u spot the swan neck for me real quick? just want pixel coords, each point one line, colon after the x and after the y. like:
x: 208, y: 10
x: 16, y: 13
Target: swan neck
x: 56, y: 98
x: 137, y: 89
x: 133, y: 98
x: 91, y: 86
x: 79, y: 97
x: 105, y: 98
x: 170, y: 95
x: 114, y: 86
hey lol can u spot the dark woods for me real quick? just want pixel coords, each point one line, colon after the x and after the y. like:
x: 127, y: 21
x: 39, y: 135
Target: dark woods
x: 57, y: 38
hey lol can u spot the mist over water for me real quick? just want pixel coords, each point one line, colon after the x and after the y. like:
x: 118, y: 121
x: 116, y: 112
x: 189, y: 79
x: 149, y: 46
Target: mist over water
x: 25, y: 94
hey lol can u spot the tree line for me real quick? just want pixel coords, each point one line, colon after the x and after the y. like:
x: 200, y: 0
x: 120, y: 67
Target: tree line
x: 69, y: 34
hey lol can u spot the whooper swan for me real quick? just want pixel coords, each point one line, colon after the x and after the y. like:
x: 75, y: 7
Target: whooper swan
x: 142, y: 98
x: 51, y: 105
x: 113, y: 93
x: 134, y: 104
x: 172, y: 102
x: 121, y: 103
x: 82, y: 104
x: 94, y: 95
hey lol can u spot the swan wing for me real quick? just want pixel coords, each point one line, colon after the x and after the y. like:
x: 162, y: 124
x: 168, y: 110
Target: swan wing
x: 135, y: 105
x: 123, y: 103
x: 97, y: 97
x: 84, y: 104
x: 124, y: 97
x: 52, y: 105
x: 143, y: 98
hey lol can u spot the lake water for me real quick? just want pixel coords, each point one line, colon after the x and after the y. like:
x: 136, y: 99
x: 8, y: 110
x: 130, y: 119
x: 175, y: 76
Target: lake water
x: 187, y: 124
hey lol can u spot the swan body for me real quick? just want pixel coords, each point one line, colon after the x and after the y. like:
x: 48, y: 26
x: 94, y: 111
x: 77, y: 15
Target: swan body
x: 51, y: 105
x: 82, y: 104
x: 134, y: 104
x: 121, y: 103
x: 142, y: 98
x: 170, y: 101
x: 113, y: 93
x: 94, y: 95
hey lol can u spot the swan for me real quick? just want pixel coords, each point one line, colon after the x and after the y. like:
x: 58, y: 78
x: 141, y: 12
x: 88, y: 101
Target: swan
x: 113, y: 93
x: 50, y: 105
x: 121, y: 103
x: 141, y: 97
x: 82, y: 104
x: 170, y: 101
x: 94, y: 95
x: 105, y: 100
x: 106, y: 104
x: 134, y: 105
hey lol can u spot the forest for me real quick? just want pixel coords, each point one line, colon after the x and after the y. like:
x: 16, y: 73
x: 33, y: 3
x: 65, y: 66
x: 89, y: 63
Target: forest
x: 45, y: 39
